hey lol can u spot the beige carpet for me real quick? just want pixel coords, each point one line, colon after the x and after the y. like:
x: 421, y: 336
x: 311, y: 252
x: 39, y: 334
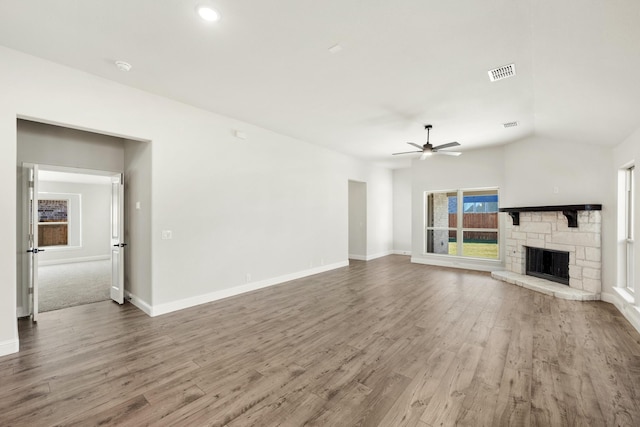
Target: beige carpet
x: 68, y: 285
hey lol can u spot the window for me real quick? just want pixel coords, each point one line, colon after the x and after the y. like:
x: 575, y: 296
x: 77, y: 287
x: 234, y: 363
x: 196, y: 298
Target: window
x: 53, y: 223
x: 462, y: 223
x: 628, y: 211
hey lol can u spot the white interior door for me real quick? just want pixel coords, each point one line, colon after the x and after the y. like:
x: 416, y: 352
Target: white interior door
x: 32, y: 250
x: 117, y: 238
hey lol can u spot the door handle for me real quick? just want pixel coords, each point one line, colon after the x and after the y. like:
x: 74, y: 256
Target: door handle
x: 35, y: 250
x: 120, y: 245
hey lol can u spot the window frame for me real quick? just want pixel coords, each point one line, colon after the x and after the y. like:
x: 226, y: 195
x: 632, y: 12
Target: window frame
x: 629, y: 200
x: 459, y: 229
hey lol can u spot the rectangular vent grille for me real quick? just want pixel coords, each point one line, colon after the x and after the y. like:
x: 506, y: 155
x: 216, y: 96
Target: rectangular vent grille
x: 502, y: 73
x: 510, y: 124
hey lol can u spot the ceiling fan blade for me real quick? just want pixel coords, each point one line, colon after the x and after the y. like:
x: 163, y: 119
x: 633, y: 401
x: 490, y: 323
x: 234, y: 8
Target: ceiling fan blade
x: 416, y: 145
x: 449, y: 153
x: 451, y: 144
x: 407, y: 152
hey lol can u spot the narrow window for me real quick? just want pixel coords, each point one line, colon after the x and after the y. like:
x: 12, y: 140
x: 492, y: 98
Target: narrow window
x: 629, y: 201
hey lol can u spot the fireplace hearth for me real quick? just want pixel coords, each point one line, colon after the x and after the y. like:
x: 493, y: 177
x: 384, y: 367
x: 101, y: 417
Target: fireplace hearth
x: 548, y: 264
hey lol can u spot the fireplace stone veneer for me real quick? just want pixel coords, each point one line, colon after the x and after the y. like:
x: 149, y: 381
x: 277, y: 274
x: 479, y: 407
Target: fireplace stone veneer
x: 550, y: 230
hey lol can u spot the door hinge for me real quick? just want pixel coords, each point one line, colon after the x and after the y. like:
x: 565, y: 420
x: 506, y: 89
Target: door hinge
x: 31, y: 184
x: 30, y: 291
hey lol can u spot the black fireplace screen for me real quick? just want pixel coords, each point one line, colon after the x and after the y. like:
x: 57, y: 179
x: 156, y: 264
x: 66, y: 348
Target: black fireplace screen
x: 548, y: 264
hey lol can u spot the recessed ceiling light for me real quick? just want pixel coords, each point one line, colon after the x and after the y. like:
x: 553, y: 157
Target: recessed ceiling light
x: 208, y: 13
x: 123, y: 66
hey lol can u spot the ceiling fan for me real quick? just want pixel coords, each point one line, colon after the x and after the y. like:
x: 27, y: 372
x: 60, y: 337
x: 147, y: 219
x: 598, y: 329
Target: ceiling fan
x: 427, y: 149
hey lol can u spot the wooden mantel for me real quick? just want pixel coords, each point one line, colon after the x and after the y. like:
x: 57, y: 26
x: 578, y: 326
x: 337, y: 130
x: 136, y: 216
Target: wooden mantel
x: 570, y: 211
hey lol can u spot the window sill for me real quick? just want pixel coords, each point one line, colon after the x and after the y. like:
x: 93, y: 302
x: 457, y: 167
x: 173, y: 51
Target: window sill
x: 625, y: 294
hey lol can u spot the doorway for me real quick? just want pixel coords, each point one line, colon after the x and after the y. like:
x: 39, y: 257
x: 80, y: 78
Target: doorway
x: 84, y: 152
x: 74, y: 230
x: 358, y: 220
x: 72, y: 238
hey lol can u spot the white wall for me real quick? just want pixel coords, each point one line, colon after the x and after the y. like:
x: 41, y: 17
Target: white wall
x: 474, y: 169
x: 94, y: 220
x: 379, y: 212
x: 534, y: 166
x: 241, y: 211
x: 137, y: 232
x: 59, y: 146
x: 402, y: 211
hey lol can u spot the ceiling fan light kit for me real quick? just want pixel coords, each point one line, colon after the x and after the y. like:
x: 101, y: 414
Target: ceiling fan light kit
x: 427, y: 150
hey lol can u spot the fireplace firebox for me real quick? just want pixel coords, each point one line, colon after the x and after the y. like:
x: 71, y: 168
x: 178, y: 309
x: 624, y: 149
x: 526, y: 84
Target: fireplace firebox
x: 548, y: 264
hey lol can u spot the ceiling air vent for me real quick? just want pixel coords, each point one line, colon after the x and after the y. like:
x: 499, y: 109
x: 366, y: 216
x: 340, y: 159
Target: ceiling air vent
x: 502, y: 73
x: 510, y: 124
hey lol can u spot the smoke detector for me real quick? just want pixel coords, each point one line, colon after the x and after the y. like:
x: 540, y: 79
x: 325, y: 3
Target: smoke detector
x: 502, y: 73
x: 510, y: 124
x: 123, y: 66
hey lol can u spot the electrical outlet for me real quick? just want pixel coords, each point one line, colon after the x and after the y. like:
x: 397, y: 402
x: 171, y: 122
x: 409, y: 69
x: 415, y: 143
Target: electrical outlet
x: 248, y: 277
x: 167, y: 235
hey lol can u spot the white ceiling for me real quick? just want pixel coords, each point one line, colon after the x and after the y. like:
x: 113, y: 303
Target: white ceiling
x: 404, y: 63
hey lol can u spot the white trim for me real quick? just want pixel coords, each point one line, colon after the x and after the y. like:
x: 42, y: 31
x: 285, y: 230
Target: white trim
x: 370, y: 257
x: 9, y: 347
x: 460, y: 262
x: 140, y: 303
x: 629, y: 311
x: 73, y: 260
x: 157, y: 310
x: 624, y: 293
x: 397, y: 252
x: 378, y: 255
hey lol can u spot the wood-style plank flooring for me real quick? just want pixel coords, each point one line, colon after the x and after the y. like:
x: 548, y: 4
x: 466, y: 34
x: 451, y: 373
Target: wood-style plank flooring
x: 381, y: 343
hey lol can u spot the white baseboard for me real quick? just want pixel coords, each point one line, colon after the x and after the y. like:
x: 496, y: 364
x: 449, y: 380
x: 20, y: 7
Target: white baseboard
x: 628, y: 310
x: 74, y: 260
x: 157, y: 310
x: 395, y: 252
x: 378, y: 255
x: 9, y: 347
x: 369, y: 257
x: 140, y: 303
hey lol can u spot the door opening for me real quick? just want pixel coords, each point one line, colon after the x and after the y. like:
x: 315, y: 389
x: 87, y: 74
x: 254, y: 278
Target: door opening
x: 357, y: 220
x: 74, y: 237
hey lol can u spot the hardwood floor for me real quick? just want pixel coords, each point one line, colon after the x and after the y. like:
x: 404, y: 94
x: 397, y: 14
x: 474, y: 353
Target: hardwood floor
x: 384, y: 343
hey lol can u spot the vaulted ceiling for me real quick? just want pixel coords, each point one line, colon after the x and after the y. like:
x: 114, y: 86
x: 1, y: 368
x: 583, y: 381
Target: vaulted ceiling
x: 402, y: 64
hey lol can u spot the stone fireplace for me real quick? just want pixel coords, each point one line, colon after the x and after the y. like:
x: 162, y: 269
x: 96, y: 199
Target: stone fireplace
x: 574, y: 230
